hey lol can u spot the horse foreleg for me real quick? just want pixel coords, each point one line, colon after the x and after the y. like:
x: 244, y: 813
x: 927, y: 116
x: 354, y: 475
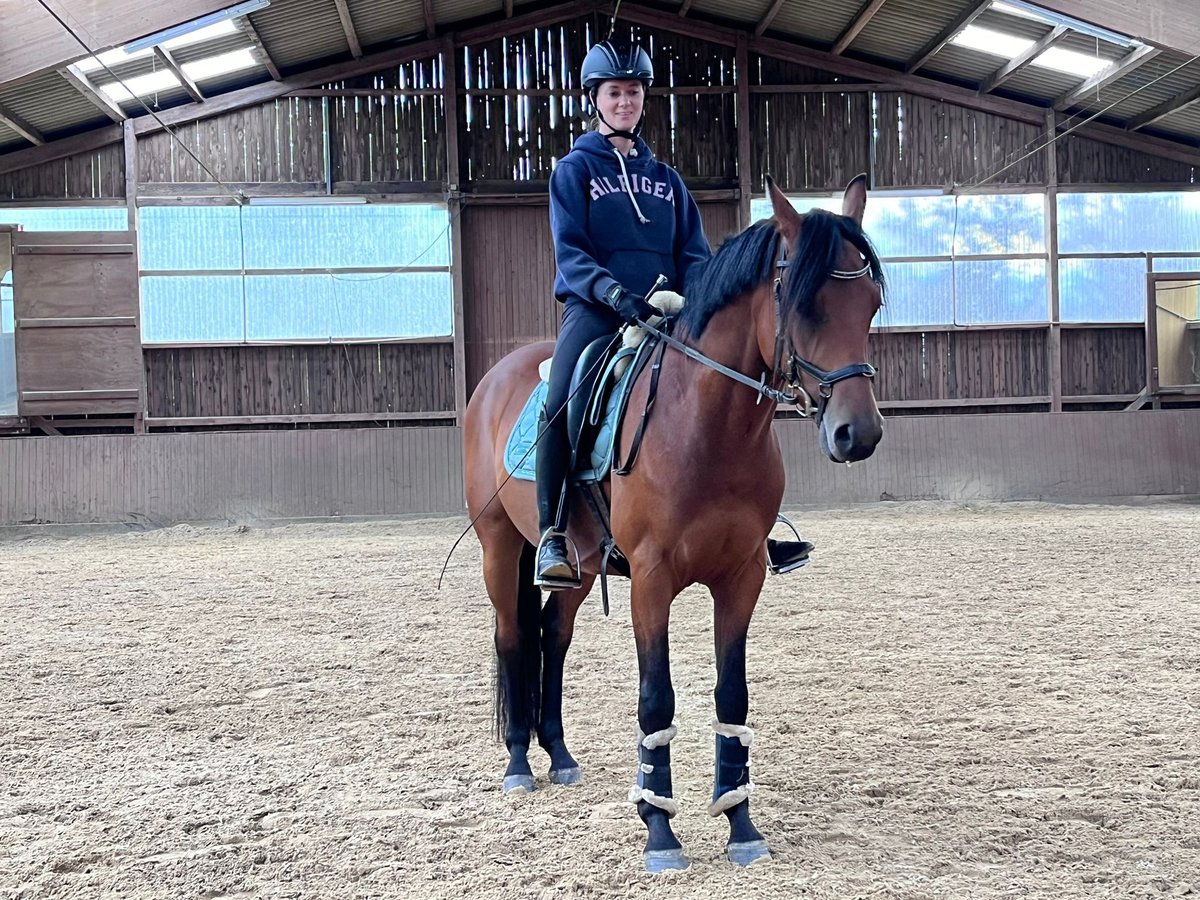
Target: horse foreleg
x: 558, y: 627
x: 650, y: 602
x: 508, y: 574
x: 733, y: 604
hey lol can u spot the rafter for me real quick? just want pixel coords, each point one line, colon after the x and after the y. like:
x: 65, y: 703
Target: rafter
x: 943, y: 37
x: 1119, y: 69
x: 1164, y: 109
x: 865, y: 14
x: 768, y: 18
x: 101, y: 100
x: 171, y: 63
x: 20, y: 126
x: 1014, y: 65
x: 343, y: 11
x: 430, y: 21
x: 508, y: 6
x: 264, y: 57
x: 685, y: 8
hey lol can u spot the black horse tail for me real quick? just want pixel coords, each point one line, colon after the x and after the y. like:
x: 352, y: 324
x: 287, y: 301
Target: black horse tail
x: 518, y: 681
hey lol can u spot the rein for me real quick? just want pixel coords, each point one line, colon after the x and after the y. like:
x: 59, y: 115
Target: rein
x: 801, y: 399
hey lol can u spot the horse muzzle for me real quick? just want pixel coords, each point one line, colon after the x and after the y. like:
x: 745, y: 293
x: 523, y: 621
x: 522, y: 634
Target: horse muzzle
x: 850, y: 425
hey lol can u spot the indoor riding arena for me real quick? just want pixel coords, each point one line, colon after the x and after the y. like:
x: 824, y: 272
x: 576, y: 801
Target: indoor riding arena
x: 257, y: 260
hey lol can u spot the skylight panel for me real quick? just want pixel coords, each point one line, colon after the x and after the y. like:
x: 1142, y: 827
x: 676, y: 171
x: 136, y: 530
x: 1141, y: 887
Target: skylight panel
x: 986, y: 40
x: 222, y: 64
x: 141, y: 85
x: 1071, y: 61
x: 112, y: 57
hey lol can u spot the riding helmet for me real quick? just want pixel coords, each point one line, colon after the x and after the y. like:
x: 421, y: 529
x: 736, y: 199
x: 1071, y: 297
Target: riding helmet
x: 616, y: 61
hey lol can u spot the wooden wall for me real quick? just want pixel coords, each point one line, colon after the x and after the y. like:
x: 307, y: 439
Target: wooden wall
x: 386, y: 133
x: 300, y: 380
x: 274, y: 476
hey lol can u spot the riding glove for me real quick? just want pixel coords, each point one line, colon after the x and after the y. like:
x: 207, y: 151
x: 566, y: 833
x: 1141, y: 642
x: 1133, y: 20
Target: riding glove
x: 629, y: 306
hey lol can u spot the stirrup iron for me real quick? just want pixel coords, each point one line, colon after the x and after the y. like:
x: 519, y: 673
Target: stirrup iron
x: 790, y: 567
x: 557, y: 584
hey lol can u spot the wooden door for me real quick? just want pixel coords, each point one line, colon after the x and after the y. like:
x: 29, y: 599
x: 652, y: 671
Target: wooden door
x: 78, y: 335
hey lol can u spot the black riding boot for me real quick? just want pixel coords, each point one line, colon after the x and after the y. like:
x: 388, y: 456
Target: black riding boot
x: 554, y: 569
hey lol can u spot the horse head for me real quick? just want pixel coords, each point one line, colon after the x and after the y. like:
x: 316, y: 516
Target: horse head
x: 828, y: 287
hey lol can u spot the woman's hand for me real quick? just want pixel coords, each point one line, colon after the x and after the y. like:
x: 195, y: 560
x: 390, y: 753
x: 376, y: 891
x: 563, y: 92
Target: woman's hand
x: 629, y: 306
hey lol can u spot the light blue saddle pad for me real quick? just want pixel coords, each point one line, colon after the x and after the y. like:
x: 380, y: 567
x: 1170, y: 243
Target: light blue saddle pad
x: 520, y: 453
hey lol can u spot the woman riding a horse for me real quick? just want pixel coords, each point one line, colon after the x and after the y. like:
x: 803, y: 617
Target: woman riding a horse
x: 620, y: 218
x: 780, y: 313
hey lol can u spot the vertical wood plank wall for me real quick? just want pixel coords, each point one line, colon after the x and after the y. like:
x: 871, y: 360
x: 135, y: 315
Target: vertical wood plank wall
x: 275, y: 476
x: 394, y: 141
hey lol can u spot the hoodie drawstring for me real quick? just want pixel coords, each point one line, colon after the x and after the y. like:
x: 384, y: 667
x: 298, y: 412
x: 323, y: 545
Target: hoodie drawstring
x: 629, y: 190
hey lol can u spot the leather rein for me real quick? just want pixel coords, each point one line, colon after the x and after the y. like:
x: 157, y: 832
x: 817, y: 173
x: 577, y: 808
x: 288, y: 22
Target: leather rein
x: 794, y: 393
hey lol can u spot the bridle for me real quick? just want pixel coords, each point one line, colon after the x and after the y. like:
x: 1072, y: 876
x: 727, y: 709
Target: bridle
x: 794, y: 393
x: 796, y: 363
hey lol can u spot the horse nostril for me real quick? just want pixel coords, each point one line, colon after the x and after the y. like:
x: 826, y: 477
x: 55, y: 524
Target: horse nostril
x: 853, y: 444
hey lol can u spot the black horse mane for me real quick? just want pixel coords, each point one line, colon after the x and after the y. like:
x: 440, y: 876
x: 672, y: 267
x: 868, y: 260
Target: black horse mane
x: 746, y: 260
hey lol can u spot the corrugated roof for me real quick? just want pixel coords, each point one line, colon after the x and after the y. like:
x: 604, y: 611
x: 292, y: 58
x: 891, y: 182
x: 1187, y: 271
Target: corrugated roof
x: 815, y: 23
x: 378, y: 23
x: 50, y: 104
x: 302, y: 31
x: 302, y: 34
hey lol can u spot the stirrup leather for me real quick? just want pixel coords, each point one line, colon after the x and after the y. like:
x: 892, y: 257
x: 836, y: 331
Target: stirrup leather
x: 789, y: 567
x: 551, y: 583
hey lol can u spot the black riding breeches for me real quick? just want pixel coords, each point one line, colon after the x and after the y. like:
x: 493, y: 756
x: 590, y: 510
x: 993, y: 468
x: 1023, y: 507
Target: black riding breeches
x: 582, y: 323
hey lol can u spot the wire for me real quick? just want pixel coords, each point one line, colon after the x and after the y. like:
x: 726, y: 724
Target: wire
x: 1057, y: 137
x: 237, y: 195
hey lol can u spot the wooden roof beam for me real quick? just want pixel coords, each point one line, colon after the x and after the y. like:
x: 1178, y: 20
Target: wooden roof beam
x: 943, y: 37
x: 21, y: 127
x: 865, y: 14
x: 768, y: 18
x: 1014, y: 65
x: 97, y: 97
x: 170, y: 62
x: 1164, y: 109
x: 1119, y: 69
x: 343, y: 11
x: 431, y: 22
x: 508, y: 7
x: 264, y: 57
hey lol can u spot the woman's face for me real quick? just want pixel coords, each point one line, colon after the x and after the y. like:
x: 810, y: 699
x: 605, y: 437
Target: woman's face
x: 620, y: 104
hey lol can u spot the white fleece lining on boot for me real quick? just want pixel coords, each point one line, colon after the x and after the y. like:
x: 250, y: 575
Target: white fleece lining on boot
x: 730, y: 799
x: 669, y: 805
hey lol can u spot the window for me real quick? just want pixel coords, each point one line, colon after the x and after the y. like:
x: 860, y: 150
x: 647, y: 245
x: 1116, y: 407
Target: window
x: 967, y: 260
x: 295, y: 273
x: 1097, y: 285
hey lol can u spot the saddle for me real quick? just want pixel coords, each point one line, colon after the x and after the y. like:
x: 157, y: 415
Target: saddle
x: 600, y: 387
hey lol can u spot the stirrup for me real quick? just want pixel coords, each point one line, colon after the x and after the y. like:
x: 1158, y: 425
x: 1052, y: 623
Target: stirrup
x: 793, y: 566
x: 556, y: 584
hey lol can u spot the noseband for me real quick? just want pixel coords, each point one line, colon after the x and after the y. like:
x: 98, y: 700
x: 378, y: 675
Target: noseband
x: 791, y: 374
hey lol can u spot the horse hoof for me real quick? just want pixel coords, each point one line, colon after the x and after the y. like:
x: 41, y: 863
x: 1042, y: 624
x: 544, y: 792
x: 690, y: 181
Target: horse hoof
x: 665, y: 860
x: 518, y: 784
x: 747, y: 852
x: 573, y: 775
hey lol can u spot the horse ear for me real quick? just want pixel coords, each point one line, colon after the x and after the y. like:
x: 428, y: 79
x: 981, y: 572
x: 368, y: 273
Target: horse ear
x: 854, y: 201
x: 785, y: 214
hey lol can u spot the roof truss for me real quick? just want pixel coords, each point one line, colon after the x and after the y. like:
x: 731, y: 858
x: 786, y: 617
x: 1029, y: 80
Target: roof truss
x: 343, y: 11
x: 1119, y: 69
x: 1164, y: 109
x: 1014, y: 65
x: 943, y: 37
x: 97, y: 97
x: 260, y: 49
x: 21, y: 127
x: 168, y: 60
x: 865, y: 13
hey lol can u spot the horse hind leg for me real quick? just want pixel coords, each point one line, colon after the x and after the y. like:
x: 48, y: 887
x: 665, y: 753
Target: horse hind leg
x: 558, y: 627
x: 507, y: 571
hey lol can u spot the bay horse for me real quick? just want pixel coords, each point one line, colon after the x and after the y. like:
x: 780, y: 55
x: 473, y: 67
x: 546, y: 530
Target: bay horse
x: 787, y: 304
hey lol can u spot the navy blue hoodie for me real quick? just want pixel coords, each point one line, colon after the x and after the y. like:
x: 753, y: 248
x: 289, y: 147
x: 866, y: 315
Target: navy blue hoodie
x: 598, y: 239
